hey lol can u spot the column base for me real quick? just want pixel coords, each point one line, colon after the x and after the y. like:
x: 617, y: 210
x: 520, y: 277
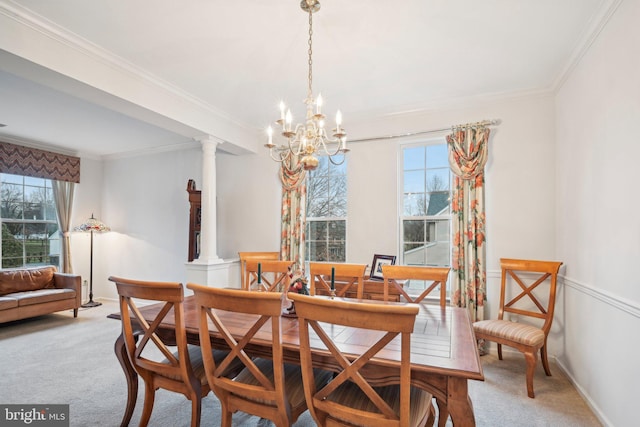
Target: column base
x: 217, y: 273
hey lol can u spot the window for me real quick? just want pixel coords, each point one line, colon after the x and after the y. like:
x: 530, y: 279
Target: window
x: 326, y: 234
x: 29, y: 222
x: 426, y: 216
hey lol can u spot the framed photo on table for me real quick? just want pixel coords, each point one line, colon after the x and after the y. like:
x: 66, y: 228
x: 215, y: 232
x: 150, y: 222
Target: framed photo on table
x: 378, y: 262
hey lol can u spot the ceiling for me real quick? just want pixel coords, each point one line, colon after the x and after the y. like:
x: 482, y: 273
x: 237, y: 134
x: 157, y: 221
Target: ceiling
x: 164, y: 72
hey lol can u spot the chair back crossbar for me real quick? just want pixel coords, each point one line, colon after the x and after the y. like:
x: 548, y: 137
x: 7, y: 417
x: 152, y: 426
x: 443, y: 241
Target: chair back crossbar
x: 274, y: 275
x: 438, y: 276
x: 245, y: 256
x: 347, y: 275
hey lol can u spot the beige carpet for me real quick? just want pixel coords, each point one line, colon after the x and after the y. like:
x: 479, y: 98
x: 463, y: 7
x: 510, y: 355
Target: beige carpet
x: 59, y: 359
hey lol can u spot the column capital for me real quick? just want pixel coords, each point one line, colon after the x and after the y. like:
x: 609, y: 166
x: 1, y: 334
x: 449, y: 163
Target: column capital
x: 209, y: 140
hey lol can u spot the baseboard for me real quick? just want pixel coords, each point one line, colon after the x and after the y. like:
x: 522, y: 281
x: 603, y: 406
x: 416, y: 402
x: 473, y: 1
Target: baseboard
x: 590, y: 403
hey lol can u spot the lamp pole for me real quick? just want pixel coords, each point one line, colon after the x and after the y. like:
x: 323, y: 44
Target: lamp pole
x: 91, y: 302
x: 91, y: 225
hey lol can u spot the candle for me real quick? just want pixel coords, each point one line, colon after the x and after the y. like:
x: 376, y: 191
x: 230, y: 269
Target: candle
x: 333, y: 278
x: 338, y: 120
x: 282, y: 108
x: 270, y: 133
x: 318, y: 103
x: 288, y: 119
x: 259, y: 273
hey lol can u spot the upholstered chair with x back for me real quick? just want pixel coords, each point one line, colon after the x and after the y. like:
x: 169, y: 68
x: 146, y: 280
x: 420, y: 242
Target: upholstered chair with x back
x: 162, y: 362
x: 267, y: 388
x: 350, y: 399
x: 534, y: 313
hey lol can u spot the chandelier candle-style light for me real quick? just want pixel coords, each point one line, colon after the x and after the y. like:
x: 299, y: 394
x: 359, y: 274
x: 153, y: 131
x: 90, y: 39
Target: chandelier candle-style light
x: 309, y: 138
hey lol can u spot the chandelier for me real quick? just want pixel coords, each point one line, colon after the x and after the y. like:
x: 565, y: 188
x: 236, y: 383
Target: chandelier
x: 307, y: 140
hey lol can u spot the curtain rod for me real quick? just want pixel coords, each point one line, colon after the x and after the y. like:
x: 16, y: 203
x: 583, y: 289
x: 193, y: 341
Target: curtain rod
x: 493, y: 122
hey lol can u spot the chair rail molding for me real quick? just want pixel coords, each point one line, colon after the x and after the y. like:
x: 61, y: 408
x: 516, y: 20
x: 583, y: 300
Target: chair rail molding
x: 616, y: 301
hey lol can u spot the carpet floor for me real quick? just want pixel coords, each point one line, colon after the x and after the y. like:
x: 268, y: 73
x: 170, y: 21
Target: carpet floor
x: 56, y: 359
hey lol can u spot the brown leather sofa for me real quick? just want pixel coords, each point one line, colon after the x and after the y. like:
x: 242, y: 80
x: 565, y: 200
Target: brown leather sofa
x: 28, y: 292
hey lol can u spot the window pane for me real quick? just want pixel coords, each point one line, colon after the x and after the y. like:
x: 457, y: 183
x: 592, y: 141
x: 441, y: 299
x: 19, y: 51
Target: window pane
x: 438, y: 203
x: 414, y: 254
x: 414, y: 181
x: 30, y: 180
x: 8, y: 178
x: 438, y: 179
x: 317, y: 230
x: 318, y: 251
x: 318, y: 207
x: 413, y: 158
x: 414, y: 231
x: 437, y: 156
x: 438, y: 254
x: 337, y: 230
x: 414, y: 204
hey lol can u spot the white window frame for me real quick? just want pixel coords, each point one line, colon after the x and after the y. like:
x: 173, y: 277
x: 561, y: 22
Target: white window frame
x: 415, y: 142
x: 51, y: 221
x: 328, y: 220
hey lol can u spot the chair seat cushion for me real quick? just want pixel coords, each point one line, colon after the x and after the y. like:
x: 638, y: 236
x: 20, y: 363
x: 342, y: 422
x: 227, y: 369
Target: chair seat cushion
x: 511, y: 331
x: 293, y: 380
x: 349, y: 394
x: 197, y: 365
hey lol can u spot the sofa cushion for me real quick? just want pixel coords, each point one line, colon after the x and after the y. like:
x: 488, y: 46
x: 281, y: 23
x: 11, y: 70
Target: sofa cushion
x: 26, y: 279
x: 7, y: 302
x: 42, y: 295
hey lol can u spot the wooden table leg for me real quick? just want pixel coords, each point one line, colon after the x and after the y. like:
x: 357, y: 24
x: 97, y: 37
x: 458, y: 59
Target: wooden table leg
x: 459, y: 403
x: 132, y: 379
x: 443, y: 413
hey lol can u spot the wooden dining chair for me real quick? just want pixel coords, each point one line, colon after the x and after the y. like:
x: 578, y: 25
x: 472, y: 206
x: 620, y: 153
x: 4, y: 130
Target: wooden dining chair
x: 350, y: 398
x: 524, y: 276
x: 397, y: 275
x: 267, y: 388
x: 274, y: 275
x: 245, y: 256
x: 348, y: 276
x: 161, y: 361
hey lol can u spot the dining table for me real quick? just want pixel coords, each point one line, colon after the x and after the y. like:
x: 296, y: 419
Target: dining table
x: 444, y: 354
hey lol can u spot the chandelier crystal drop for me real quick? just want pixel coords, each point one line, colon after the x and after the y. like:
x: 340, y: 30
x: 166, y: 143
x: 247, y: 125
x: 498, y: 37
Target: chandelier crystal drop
x: 306, y: 140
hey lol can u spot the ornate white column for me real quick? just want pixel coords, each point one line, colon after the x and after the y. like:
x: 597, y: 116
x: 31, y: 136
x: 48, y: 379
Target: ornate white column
x: 209, y: 269
x: 208, y: 234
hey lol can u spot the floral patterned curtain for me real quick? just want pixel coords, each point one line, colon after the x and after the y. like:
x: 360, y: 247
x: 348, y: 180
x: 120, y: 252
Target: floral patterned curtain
x: 467, y: 158
x: 293, y: 215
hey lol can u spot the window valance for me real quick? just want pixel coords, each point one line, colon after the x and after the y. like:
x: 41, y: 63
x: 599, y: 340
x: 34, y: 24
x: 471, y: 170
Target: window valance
x: 19, y: 160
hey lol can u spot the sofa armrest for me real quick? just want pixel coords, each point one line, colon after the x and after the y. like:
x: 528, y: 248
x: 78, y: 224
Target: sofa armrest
x: 69, y: 281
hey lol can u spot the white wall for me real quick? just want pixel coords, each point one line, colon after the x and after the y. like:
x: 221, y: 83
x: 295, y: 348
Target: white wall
x: 146, y: 204
x: 520, y: 178
x: 598, y: 233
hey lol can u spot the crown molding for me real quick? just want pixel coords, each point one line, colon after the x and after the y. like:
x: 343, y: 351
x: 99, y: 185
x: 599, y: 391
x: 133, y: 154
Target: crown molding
x: 176, y: 104
x: 60, y: 34
x: 590, y: 35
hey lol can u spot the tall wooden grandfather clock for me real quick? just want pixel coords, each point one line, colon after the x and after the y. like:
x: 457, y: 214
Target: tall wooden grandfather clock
x: 194, y: 220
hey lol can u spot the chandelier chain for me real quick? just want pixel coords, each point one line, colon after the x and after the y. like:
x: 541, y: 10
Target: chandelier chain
x: 309, y: 91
